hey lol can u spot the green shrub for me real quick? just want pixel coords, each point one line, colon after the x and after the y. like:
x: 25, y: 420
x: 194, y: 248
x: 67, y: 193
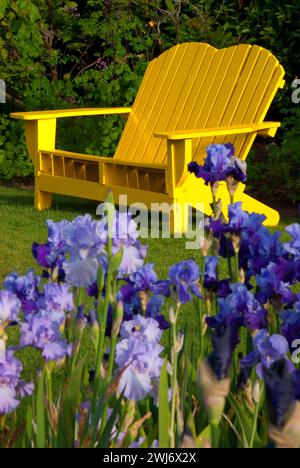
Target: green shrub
x: 274, y: 170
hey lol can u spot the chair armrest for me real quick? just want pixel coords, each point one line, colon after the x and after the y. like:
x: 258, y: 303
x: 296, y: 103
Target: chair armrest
x: 265, y: 127
x: 102, y: 159
x: 56, y: 114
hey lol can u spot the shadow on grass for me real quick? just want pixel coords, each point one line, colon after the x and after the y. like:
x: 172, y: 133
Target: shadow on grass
x: 60, y: 203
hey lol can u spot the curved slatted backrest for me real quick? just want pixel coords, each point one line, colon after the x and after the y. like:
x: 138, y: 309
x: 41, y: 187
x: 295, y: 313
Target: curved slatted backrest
x: 194, y: 86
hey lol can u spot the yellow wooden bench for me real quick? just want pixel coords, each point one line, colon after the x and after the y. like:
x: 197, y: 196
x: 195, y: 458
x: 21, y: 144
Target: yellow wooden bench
x: 191, y: 96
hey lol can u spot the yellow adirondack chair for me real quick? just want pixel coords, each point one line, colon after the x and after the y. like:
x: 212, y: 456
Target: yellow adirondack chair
x: 191, y: 96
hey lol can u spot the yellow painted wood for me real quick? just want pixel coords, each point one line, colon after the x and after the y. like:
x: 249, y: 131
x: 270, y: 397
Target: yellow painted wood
x: 191, y: 96
x: 211, y: 132
x: 59, y: 114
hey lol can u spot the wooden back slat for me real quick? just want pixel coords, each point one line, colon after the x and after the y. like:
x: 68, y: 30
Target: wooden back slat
x: 195, y: 86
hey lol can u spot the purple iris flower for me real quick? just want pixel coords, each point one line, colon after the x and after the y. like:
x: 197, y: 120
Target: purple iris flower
x: 141, y: 327
x: 237, y: 169
x: 55, y: 233
x: 11, y: 387
x: 279, y: 391
x: 129, y: 295
x: 51, y: 255
x: 215, y: 164
x: 267, y: 350
x: 57, y: 298
x: 44, y: 333
x: 195, y: 168
x: 290, y: 327
x: 270, y: 286
x: 223, y: 288
x: 84, y: 246
x: 288, y: 271
x: 184, y: 277
x: 26, y: 289
x: 211, y: 272
x: 82, y: 233
x: 145, y: 279
x: 10, y: 307
x: 41, y: 253
x: 133, y: 258
x: 293, y: 247
x: 81, y: 270
x: 142, y: 363
x: 265, y: 249
x: 242, y: 304
x: 124, y: 235
x: 238, y: 218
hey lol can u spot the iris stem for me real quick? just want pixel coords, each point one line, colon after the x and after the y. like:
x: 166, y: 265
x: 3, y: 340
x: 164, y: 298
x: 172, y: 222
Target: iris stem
x: 214, y: 205
x: 102, y: 317
x: 102, y: 312
x: 215, y: 435
x: 237, y: 270
x: 200, y: 308
x: 48, y: 374
x: 230, y: 271
x: 174, y: 381
x: 254, y: 427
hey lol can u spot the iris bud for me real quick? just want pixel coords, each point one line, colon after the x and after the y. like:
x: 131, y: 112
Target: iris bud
x: 118, y: 319
x: 214, y: 392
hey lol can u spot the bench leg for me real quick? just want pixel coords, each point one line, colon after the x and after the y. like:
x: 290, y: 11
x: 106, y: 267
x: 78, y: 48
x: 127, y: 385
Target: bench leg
x: 42, y: 200
x: 179, y: 219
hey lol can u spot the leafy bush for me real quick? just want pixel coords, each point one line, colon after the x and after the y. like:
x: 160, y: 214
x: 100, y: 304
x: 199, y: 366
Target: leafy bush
x: 274, y: 169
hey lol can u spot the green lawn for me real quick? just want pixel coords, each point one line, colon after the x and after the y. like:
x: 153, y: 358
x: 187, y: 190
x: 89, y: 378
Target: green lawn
x: 21, y: 225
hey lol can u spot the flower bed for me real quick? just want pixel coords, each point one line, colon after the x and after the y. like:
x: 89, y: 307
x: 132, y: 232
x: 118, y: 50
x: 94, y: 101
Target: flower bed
x: 147, y: 386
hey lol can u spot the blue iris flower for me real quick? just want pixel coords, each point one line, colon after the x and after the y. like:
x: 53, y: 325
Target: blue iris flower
x: 185, y: 279
x: 267, y: 350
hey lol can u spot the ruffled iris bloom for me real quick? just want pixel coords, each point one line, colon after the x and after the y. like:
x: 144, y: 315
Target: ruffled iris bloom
x: 10, y: 307
x: 271, y: 287
x: 267, y: 350
x: 219, y: 164
x: 124, y: 236
x: 288, y: 271
x: 141, y: 327
x: 138, y: 357
x: 184, y: 277
x: 57, y: 298
x: 43, y: 332
x: 26, y: 288
x: 238, y: 218
x: 240, y: 307
x: 293, y: 247
x: 132, y: 304
x: 75, y: 250
x: 12, y: 388
x: 266, y: 248
x: 237, y: 169
x: 51, y: 255
x: 145, y: 279
x: 215, y: 164
x: 83, y: 247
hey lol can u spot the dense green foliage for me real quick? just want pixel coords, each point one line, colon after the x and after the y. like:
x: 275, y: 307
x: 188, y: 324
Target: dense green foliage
x: 59, y: 53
